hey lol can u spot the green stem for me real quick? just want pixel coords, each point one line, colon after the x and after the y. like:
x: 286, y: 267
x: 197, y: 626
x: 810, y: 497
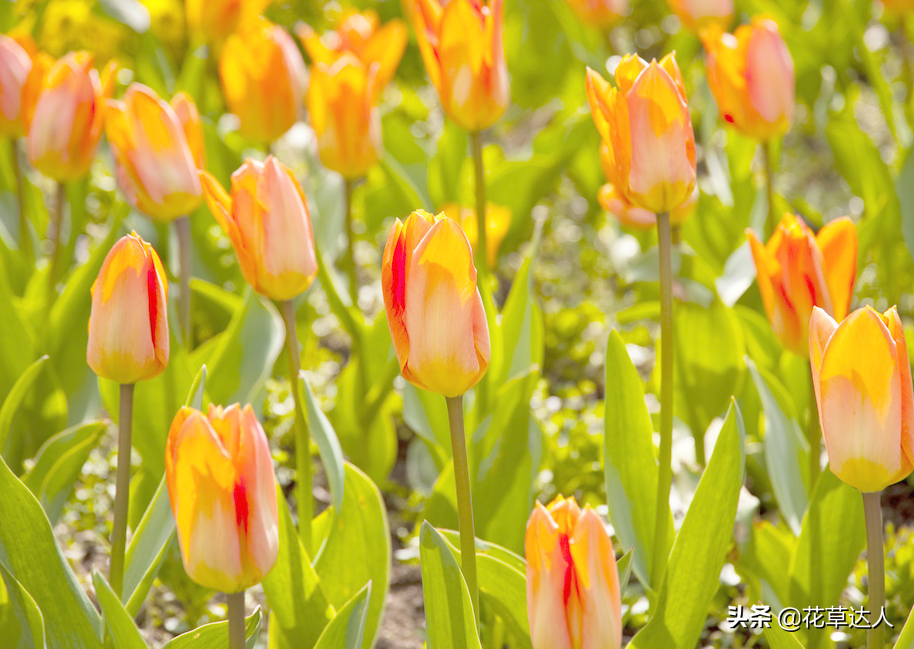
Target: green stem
x: 349, y: 252
x: 122, y: 493
x: 340, y: 310
x: 814, y: 436
x: 482, y: 248
x: 25, y: 237
x: 464, y: 498
x: 54, y: 228
x: 665, y: 472
x: 771, y: 221
x: 185, y: 260
x: 236, y: 620
x: 875, y: 577
x: 302, y: 434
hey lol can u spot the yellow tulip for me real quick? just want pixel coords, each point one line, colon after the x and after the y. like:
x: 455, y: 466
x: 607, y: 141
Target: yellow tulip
x: 216, y: 20
x: 700, y: 14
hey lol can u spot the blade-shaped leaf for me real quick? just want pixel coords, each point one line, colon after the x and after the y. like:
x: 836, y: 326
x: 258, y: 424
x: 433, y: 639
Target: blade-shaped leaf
x: 117, y: 620
x: 21, y: 623
x: 347, y: 629
x: 215, y: 635
x: 148, y: 548
x: 328, y: 445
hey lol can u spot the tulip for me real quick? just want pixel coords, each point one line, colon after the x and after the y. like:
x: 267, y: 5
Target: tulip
x: 498, y: 222
x: 215, y: 20
x: 898, y: 8
x: 66, y: 124
x: 646, y: 128
x: 15, y: 64
x: 462, y: 45
x: 599, y: 13
x: 434, y: 309
x: 223, y: 494
x: 573, y: 597
x: 361, y: 35
x: 266, y: 218
x: 189, y: 118
x: 751, y: 75
x: 699, y: 14
x: 262, y: 74
x: 798, y: 271
x: 128, y: 324
x: 156, y: 168
x: 862, y: 380
x: 340, y: 100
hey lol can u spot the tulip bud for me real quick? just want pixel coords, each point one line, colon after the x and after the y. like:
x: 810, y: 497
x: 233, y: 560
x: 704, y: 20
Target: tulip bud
x: 498, y: 222
x: 751, y: 75
x: 262, y: 74
x: 15, y: 64
x: 434, y: 310
x: 361, y: 35
x: 66, y: 124
x: 155, y: 167
x: 697, y: 15
x: 573, y: 596
x: 645, y: 125
x: 862, y: 378
x: 266, y: 218
x: 599, y: 13
x: 128, y: 324
x: 798, y: 270
x: 462, y: 45
x: 223, y: 495
x: 341, y: 99
x: 216, y: 20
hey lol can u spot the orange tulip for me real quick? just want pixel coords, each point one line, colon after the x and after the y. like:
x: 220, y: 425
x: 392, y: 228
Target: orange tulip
x: 266, y: 217
x: 66, y: 123
x: 262, y: 74
x: 216, y: 20
x: 751, y: 75
x: 189, y: 118
x: 15, y: 64
x: 155, y: 166
x: 341, y: 99
x: 361, y: 35
x: 223, y: 495
x: 434, y: 310
x: 898, y: 8
x: 699, y: 14
x: 599, y: 13
x: 862, y: 379
x: 798, y: 270
x: 645, y: 125
x: 498, y: 222
x: 128, y: 324
x: 462, y: 45
x: 573, y: 597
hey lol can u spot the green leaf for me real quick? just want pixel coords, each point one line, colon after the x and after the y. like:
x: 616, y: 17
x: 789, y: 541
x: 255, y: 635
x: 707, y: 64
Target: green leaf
x: 449, y: 616
x: 786, y: 449
x: 293, y: 590
x: 14, y: 399
x: 346, y: 562
x: 624, y: 567
x: 778, y: 638
x: 147, y: 548
x: 215, y: 635
x: 21, y: 624
x: 117, y: 620
x: 692, y: 576
x: 328, y: 445
x: 59, y: 464
x: 197, y: 390
x: 347, y: 629
x: 445, y: 167
x: 906, y: 639
x: 629, y: 465
x: 28, y: 550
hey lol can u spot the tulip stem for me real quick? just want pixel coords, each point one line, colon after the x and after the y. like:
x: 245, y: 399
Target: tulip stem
x: 768, y: 155
x: 25, y: 238
x: 813, y: 435
x: 122, y: 493
x: 482, y: 258
x: 349, y: 253
x: 54, y: 228
x: 665, y: 472
x: 464, y: 498
x: 302, y: 434
x: 235, y: 619
x: 875, y: 577
x: 185, y: 260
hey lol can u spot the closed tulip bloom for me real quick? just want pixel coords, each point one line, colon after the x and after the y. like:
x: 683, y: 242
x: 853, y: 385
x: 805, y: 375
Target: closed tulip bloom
x: 862, y: 379
x: 189, y: 118
x: 223, y: 495
x: 644, y: 123
x: 699, y: 14
x: 573, y: 597
x: 66, y: 124
x: 216, y: 20
x: 599, y: 13
x: 262, y: 74
x: 341, y: 103
x: 15, y: 64
x: 498, y: 222
x: 266, y: 218
x: 434, y: 310
x: 155, y: 166
x: 362, y: 36
x: 798, y: 270
x: 751, y: 75
x: 128, y: 324
x: 462, y: 45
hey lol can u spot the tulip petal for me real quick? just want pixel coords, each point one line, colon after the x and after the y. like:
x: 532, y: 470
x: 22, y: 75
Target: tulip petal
x: 838, y: 242
x: 547, y: 571
x: 821, y: 328
x: 896, y: 328
x: 598, y: 579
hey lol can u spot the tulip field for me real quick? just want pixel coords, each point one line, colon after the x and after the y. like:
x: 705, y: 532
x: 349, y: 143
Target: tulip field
x: 458, y: 324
